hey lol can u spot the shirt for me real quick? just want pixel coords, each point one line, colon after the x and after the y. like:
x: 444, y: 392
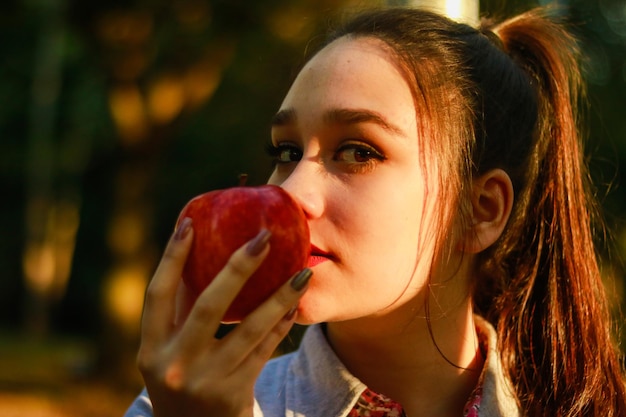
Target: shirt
x: 373, y: 404
x: 312, y: 382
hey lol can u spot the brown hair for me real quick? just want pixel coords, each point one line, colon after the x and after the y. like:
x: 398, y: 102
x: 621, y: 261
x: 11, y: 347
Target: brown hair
x: 506, y: 96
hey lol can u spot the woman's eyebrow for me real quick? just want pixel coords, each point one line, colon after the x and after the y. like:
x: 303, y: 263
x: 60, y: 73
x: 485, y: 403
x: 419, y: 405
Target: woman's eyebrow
x: 284, y: 117
x: 342, y: 116
x: 355, y: 116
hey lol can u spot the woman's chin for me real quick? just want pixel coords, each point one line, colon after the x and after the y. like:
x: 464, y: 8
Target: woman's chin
x: 310, y: 309
x: 306, y: 316
x: 319, y: 302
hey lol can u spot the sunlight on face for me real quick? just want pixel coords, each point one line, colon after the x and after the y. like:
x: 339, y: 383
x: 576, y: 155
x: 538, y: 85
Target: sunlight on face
x: 346, y: 147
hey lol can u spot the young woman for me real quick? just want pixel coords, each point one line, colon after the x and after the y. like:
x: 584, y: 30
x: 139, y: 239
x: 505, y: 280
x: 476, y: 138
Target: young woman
x: 440, y: 169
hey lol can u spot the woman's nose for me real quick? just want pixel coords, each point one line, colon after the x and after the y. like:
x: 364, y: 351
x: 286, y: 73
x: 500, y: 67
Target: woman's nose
x: 305, y: 185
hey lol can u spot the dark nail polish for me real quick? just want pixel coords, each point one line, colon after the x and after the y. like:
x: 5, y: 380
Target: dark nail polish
x: 183, y: 229
x: 256, y: 245
x: 300, y: 281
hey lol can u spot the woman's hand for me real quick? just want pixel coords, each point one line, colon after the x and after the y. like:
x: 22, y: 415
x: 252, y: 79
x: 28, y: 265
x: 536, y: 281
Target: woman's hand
x: 187, y: 371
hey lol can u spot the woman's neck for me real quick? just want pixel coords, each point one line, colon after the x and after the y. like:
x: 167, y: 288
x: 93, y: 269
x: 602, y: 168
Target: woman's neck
x: 433, y: 371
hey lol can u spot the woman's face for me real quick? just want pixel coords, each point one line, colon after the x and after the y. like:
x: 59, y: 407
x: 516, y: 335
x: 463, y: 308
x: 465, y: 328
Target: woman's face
x: 346, y: 146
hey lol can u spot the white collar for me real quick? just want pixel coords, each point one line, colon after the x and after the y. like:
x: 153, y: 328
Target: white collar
x: 313, y: 382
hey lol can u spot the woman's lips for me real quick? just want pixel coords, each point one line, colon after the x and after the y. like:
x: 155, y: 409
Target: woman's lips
x: 316, y: 260
x: 318, y: 256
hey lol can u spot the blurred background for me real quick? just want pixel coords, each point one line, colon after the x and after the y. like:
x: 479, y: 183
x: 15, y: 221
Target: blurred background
x: 114, y: 113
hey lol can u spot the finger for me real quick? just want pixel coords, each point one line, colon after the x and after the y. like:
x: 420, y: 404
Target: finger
x: 248, y: 337
x: 252, y: 365
x: 185, y: 299
x: 159, y: 308
x: 208, y: 310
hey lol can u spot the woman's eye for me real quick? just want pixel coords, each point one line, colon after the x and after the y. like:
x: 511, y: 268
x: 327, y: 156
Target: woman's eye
x: 284, y: 153
x: 358, y: 154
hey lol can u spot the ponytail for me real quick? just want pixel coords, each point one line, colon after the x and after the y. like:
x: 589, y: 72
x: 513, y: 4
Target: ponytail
x: 506, y: 96
x: 551, y: 310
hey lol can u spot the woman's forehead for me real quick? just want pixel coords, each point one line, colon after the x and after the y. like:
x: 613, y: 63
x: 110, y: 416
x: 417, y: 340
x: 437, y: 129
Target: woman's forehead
x: 361, y: 66
x: 346, y: 49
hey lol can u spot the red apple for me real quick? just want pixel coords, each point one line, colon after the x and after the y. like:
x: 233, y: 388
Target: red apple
x: 224, y: 220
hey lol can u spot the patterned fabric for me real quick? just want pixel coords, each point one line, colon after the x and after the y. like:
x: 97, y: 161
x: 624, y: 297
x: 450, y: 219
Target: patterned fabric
x: 472, y: 407
x: 372, y: 404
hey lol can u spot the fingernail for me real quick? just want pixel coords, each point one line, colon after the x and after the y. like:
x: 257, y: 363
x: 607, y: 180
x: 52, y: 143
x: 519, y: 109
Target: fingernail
x: 299, y: 281
x: 183, y: 229
x: 256, y: 245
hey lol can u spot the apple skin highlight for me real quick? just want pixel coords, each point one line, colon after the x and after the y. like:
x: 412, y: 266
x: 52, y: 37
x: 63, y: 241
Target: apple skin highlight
x: 224, y: 220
